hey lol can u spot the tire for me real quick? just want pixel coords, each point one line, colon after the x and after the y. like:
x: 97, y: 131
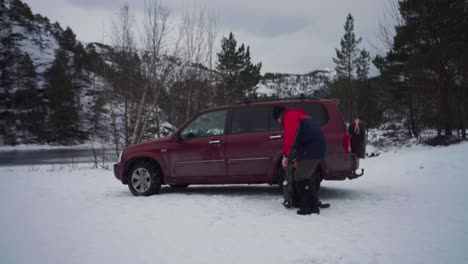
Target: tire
x: 179, y: 186
x: 144, y: 179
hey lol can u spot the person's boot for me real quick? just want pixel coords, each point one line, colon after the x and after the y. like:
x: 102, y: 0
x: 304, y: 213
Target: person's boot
x: 313, y: 199
x: 323, y: 205
x: 304, y: 206
x: 309, y: 203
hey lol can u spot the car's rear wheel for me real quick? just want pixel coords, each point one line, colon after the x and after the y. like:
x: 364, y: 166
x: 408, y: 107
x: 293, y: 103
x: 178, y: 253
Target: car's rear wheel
x: 144, y: 179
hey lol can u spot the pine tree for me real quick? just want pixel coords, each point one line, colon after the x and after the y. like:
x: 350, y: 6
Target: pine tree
x: 63, y: 113
x: 425, y: 58
x: 29, y: 102
x: 363, y: 65
x: 346, y: 60
x: 366, y: 99
x: 238, y: 74
x: 8, y: 56
x: 9, y: 82
x: 2, y: 8
x: 68, y: 40
x: 250, y: 74
x: 20, y: 12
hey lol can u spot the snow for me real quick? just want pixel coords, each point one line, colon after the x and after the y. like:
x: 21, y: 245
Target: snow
x: 409, y: 207
x: 42, y: 58
x: 288, y: 85
x: 265, y: 90
x: 39, y: 45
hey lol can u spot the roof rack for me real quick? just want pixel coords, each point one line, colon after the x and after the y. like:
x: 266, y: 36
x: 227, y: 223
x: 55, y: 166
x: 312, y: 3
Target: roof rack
x: 256, y: 100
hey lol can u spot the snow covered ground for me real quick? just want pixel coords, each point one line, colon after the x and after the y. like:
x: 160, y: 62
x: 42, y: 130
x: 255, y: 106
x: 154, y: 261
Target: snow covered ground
x: 409, y: 207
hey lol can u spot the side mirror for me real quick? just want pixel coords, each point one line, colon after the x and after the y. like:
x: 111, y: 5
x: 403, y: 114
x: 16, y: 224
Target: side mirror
x: 177, y: 137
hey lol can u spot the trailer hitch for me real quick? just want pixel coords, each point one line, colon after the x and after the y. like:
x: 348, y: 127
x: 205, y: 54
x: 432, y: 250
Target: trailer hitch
x: 356, y: 175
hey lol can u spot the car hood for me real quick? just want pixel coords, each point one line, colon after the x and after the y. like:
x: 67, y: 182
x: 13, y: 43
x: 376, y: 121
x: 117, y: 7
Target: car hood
x: 150, y: 145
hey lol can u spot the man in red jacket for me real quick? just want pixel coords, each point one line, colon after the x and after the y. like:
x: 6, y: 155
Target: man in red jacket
x: 304, y: 144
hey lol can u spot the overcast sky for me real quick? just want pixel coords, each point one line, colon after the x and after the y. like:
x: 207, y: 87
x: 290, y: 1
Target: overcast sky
x: 290, y: 36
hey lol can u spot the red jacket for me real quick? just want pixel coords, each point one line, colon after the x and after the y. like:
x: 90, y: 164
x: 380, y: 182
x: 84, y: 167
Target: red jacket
x: 302, y: 136
x: 291, y: 123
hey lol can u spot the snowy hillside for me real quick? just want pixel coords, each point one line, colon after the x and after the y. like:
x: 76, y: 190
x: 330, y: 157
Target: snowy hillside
x: 25, y: 33
x: 55, y: 89
x: 409, y: 207
x: 44, y: 74
x: 40, y: 46
x: 287, y: 85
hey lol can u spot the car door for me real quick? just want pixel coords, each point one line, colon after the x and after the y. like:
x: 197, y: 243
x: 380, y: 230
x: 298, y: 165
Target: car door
x: 251, y: 143
x: 201, y: 149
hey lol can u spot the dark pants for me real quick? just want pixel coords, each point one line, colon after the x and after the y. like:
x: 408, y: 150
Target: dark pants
x: 358, y: 145
x: 305, y: 170
x: 299, y: 187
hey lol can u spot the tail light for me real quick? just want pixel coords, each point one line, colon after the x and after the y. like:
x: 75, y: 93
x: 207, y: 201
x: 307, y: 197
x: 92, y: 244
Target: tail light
x: 346, y: 144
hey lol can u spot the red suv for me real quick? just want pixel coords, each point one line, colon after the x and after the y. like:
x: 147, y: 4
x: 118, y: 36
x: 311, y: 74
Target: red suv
x: 239, y: 143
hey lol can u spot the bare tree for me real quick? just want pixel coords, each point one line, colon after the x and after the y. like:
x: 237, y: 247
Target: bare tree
x: 122, y: 34
x: 123, y: 41
x: 154, y: 39
x: 194, y: 29
x: 391, y: 19
x: 161, y: 45
x: 102, y: 32
x: 213, y: 28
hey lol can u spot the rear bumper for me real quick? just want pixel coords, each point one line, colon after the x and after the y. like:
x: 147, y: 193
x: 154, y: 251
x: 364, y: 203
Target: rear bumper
x: 119, y: 171
x: 340, y: 167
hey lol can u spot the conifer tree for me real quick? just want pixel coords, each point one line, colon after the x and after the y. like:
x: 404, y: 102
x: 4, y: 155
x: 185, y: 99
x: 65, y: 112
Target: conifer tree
x: 63, y: 118
x: 68, y: 40
x: 428, y: 58
x: 363, y: 65
x: 238, y: 74
x: 346, y: 60
x: 28, y: 102
x: 365, y: 102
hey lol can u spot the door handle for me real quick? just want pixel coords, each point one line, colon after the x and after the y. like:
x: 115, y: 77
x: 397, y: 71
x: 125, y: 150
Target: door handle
x: 276, y: 137
x: 214, y: 141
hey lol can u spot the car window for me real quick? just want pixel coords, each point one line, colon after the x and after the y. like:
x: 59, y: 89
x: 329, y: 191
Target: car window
x: 250, y: 119
x: 317, y: 111
x: 274, y: 125
x: 207, y: 124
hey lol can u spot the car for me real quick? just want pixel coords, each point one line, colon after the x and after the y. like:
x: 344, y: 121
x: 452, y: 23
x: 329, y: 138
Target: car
x: 234, y: 144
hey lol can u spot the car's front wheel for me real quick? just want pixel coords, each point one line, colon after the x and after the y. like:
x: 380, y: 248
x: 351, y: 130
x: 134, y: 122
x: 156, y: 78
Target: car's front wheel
x: 145, y: 179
